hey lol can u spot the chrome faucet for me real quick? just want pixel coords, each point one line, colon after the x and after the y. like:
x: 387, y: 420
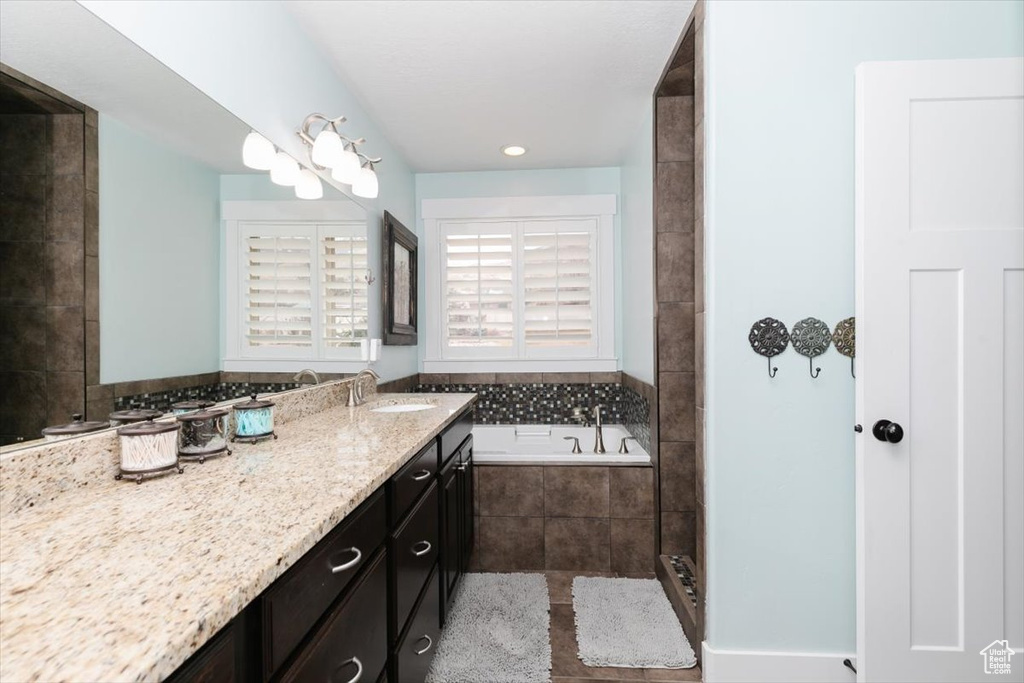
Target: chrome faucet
x: 599, y: 437
x: 303, y: 373
x: 356, y: 395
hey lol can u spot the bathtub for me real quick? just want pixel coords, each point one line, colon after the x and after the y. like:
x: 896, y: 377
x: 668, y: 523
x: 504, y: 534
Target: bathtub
x: 546, y: 445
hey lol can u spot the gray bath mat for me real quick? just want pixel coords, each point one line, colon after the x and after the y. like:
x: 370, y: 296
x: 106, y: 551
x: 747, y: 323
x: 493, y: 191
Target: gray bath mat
x: 628, y: 623
x: 497, y: 631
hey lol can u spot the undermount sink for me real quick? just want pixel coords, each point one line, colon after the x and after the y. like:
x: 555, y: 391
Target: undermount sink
x: 402, y: 408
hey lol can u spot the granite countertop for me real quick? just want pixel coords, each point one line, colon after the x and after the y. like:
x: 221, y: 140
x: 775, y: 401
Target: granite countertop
x: 123, y: 582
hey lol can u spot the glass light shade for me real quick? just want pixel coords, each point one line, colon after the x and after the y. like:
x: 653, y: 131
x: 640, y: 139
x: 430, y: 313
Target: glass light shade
x: 366, y: 184
x: 257, y: 152
x: 327, y: 149
x: 284, y: 170
x: 308, y: 185
x: 347, y: 169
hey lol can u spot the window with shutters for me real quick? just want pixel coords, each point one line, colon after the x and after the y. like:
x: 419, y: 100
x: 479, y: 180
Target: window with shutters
x: 529, y: 288
x: 299, y: 290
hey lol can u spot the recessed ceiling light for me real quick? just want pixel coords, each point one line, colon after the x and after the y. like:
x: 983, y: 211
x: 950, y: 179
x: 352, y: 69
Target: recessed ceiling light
x: 513, y: 150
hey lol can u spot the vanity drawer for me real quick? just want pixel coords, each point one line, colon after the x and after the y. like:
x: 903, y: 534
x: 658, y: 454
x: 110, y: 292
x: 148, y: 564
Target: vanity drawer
x: 413, y: 555
x: 413, y: 655
x: 456, y: 433
x: 295, y: 601
x: 353, y: 642
x: 412, y: 480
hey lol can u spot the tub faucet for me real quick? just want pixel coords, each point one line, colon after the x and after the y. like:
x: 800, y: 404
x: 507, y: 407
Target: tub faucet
x: 599, y: 436
x: 356, y: 395
x: 303, y: 373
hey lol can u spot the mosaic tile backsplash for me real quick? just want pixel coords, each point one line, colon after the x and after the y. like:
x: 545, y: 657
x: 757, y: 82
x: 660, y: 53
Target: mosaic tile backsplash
x: 224, y: 391
x: 551, y: 403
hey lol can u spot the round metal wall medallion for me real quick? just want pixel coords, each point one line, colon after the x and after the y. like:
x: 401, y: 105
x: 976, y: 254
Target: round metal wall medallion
x: 811, y: 337
x: 769, y: 337
x: 845, y: 339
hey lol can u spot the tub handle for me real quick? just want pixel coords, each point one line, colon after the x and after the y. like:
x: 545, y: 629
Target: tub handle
x: 575, y: 444
x: 622, y: 444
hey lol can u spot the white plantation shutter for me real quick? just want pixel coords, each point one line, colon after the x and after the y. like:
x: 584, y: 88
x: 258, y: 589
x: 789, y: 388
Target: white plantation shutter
x: 344, y: 295
x: 303, y: 290
x: 478, y: 288
x: 557, y: 284
x: 523, y: 289
x: 278, y: 296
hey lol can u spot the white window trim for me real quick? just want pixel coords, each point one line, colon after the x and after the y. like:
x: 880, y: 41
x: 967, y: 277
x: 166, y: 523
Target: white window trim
x: 234, y: 213
x: 601, y: 207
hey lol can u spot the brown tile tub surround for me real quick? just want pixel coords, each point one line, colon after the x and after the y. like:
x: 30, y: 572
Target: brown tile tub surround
x: 579, y: 518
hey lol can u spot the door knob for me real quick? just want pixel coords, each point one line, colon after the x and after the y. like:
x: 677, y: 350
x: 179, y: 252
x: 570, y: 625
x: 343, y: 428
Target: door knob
x: 884, y: 430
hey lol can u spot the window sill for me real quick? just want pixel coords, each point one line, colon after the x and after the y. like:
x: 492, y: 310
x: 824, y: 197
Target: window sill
x: 530, y: 365
x: 282, y: 365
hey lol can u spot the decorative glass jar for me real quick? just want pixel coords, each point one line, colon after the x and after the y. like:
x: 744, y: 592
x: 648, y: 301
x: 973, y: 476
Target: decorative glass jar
x: 148, y: 448
x: 254, y: 420
x: 203, y: 434
x: 74, y: 428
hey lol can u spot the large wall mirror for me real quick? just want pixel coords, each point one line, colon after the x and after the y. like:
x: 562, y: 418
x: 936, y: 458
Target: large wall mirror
x: 115, y: 264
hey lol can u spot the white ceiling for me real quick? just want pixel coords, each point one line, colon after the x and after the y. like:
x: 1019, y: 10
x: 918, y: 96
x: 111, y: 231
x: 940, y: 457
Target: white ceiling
x: 450, y: 82
x: 65, y: 46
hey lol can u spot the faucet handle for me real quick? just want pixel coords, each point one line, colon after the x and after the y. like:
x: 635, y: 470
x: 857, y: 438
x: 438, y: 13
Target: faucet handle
x: 622, y: 444
x: 575, y: 444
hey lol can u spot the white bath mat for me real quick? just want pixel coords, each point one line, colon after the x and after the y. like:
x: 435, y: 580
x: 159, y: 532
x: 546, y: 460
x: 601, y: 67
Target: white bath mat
x: 498, y: 630
x: 628, y: 623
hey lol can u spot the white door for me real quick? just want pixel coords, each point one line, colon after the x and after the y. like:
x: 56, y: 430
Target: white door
x: 940, y: 352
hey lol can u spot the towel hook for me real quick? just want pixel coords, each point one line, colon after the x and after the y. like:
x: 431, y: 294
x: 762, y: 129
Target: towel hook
x: 811, y: 338
x: 769, y: 337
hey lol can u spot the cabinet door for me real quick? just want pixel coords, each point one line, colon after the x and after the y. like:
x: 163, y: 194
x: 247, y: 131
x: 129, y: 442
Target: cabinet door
x: 466, y: 522
x: 451, y: 528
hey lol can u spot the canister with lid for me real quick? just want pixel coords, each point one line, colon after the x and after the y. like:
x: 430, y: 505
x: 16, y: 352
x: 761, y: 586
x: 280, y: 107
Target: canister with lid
x: 74, y: 428
x: 203, y: 434
x: 254, y: 420
x: 148, y: 448
x: 190, y: 405
x: 120, y: 418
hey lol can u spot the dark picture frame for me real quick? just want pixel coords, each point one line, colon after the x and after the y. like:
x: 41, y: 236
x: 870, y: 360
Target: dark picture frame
x: 400, y: 249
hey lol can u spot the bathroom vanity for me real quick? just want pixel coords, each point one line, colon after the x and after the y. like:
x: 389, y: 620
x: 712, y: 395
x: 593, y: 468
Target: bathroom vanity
x: 328, y: 554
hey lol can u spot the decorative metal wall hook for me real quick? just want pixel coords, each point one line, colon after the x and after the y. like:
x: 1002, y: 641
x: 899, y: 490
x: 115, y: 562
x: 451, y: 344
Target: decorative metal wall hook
x: 811, y: 338
x: 769, y: 337
x: 844, y: 337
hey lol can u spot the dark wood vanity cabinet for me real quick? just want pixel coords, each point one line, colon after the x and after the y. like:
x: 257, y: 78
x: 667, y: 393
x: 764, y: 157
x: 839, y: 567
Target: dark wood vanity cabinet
x: 367, y: 602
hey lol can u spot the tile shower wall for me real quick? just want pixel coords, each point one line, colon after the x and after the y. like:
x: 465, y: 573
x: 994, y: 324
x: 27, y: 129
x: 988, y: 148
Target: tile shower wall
x: 576, y: 518
x: 47, y: 281
x: 675, y: 291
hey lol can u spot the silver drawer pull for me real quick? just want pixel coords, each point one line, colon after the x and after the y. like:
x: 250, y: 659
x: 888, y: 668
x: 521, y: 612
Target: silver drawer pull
x: 359, y: 670
x: 426, y: 548
x: 421, y: 475
x: 351, y: 563
x: 430, y: 643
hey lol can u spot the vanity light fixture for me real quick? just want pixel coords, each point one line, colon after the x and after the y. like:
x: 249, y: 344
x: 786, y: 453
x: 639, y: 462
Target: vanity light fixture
x: 257, y: 152
x: 513, y: 150
x: 366, y: 184
x: 284, y: 170
x: 329, y: 149
x: 308, y: 185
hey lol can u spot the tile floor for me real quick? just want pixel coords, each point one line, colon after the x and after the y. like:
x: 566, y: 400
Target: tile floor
x: 566, y: 666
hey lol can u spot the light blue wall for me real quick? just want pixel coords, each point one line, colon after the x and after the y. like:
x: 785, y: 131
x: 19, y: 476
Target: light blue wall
x: 528, y: 183
x: 637, y: 214
x: 254, y: 60
x: 780, y: 242
x: 159, y: 259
